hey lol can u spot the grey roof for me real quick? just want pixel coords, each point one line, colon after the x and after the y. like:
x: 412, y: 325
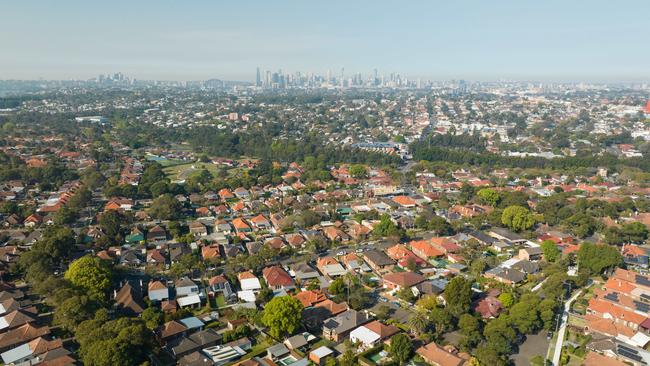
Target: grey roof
x: 346, y: 321
x: 278, y: 350
x: 509, y: 235
x: 205, y: 337
x: 183, y: 345
x: 526, y: 266
x: 482, y: 237
x: 184, y: 282
x: 297, y: 341
x: 378, y: 257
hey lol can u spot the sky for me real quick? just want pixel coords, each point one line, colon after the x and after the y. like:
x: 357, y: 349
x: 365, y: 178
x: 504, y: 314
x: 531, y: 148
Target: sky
x: 545, y: 40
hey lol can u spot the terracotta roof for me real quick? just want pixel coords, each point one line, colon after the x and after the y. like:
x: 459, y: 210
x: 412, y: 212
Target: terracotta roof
x: 276, y: 276
x: 382, y: 329
x: 240, y: 224
x: 245, y: 275
x: 333, y: 307
x: 404, y: 279
x: 310, y: 298
x: 438, y: 356
x: 171, y: 328
x: 596, y: 359
x: 404, y: 200
x: 156, y: 285
x: 425, y: 249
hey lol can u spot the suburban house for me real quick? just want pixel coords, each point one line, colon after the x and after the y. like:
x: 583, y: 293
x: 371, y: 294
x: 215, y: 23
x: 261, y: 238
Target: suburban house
x: 400, y: 280
x: 185, y: 286
x: 277, y: 278
x: 378, y: 260
x: 337, y: 328
x: 437, y: 356
x: 158, y: 291
x: 372, y: 333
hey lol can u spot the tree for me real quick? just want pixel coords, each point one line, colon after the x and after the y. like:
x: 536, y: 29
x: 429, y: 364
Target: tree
x: 506, y: 299
x: 470, y: 328
x: 489, y: 196
x: 634, y: 232
x: 550, y: 250
x: 442, y: 320
x: 337, y: 287
x: 406, y: 294
x: 488, y: 356
x: 282, y: 315
x: 91, y: 275
x: 358, y: 171
x: 500, y: 335
x: 165, y: 207
x: 596, y: 258
x: 74, y: 310
x: 458, y: 295
x: 401, y: 348
x: 440, y: 226
x: 517, y: 218
x: 419, y: 322
x: 151, y: 317
x: 524, y: 314
x: 386, y: 227
x: 580, y: 224
x: 57, y: 243
x: 123, y: 341
x: 111, y: 222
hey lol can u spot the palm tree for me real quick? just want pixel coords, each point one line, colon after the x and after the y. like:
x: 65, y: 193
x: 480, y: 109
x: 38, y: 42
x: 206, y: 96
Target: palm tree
x: 419, y: 322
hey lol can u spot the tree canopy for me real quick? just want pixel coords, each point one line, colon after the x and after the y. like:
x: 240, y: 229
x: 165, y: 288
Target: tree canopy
x: 282, y: 315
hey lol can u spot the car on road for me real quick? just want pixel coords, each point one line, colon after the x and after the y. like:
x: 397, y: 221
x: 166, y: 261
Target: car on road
x: 341, y: 253
x: 549, y: 335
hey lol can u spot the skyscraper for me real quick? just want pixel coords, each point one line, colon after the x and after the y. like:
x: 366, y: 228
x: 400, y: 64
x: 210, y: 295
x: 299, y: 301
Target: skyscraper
x: 258, y: 78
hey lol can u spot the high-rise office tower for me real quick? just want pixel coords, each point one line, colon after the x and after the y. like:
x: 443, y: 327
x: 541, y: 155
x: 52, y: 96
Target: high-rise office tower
x: 258, y: 78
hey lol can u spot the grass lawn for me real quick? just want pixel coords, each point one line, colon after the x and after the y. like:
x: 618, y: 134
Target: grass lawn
x: 221, y: 301
x: 183, y: 171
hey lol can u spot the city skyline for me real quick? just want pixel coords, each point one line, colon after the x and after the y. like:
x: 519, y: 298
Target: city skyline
x: 553, y: 41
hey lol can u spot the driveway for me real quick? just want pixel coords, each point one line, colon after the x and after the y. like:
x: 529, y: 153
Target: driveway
x: 535, y: 344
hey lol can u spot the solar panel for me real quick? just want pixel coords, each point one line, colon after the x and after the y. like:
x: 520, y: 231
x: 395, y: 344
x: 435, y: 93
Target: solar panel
x: 631, y: 355
x: 641, y: 306
x: 613, y: 296
x: 645, y: 297
x: 623, y: 347
x: 642, y: 280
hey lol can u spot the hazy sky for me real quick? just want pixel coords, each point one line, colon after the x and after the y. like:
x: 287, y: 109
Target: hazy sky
x: 190, y: 40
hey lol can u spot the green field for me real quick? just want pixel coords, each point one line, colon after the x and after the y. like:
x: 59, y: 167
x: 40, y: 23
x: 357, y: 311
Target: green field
x: 183, y: 171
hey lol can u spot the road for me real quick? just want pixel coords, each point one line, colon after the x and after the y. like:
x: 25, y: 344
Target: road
x: 562, y: 331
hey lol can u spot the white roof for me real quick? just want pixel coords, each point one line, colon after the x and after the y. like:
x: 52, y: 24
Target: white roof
x: 247, y: 295
x: 16, y: 354
x: 364, y: 335
x: 3, y: 323
x: 188, y: 300
x: 321, y: 352
x: 250, y: 284
x: 334, y: 270
x: 640, y: 339
x: 510, y: 262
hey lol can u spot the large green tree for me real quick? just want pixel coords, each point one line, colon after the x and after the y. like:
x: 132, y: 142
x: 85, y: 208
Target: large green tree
x: 123, y: 341
x: 550, y: 250
x: 401, y: 348
x: 517, y: 218
x: 91, y: 275
x: 458, y: 295
x: 282, y: 315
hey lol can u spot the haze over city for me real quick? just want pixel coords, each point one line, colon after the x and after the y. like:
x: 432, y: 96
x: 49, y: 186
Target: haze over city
x: 475, y: 40
x: 333, y: 183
